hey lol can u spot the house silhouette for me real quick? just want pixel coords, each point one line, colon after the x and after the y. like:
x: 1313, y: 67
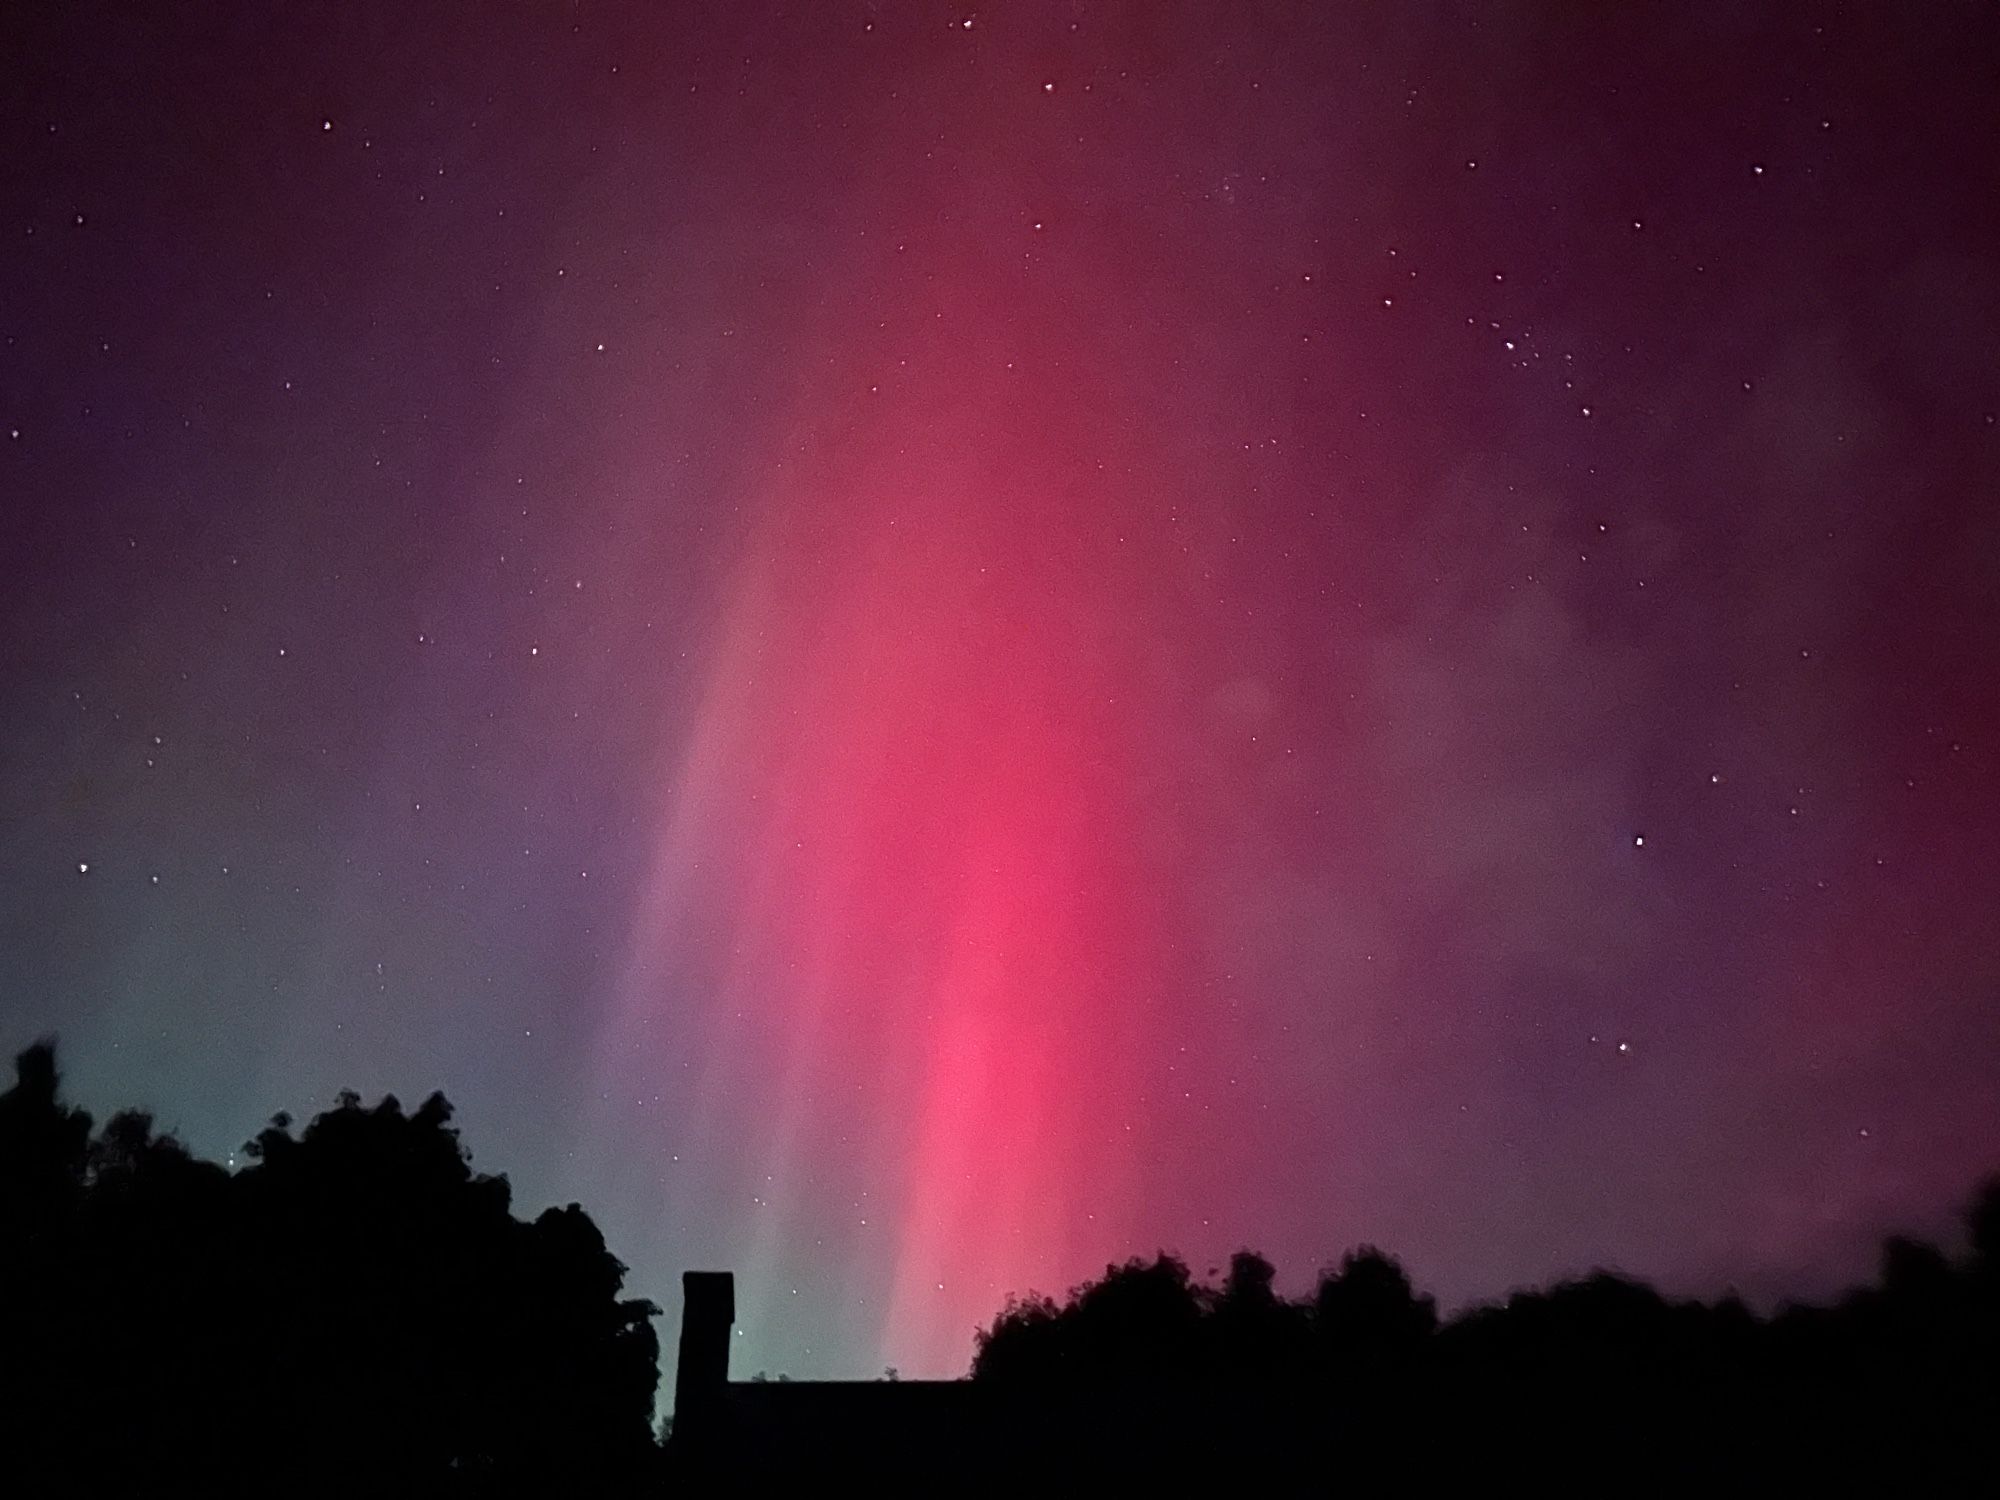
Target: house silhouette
x: 770, y: 1429
x: 933, y: 1436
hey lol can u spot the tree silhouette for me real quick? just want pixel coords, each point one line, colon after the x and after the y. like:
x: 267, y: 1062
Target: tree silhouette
x: 355, y: 1311
x: 44, y: 1144
x: 1368, y: 1316
x: 1599, y: 1382
x: 1260, y: 1338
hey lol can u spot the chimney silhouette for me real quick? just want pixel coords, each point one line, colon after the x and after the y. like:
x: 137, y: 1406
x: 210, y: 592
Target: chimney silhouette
x: 708, y: 1313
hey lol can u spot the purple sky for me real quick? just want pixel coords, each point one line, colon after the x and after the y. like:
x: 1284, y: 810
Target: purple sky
x: 912, y: 648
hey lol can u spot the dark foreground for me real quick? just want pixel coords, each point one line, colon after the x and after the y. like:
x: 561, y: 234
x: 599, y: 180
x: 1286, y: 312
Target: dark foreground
x: 356, y: 1312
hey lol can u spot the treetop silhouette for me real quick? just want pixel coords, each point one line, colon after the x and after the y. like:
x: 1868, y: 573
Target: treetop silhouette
x: 356, y: 1310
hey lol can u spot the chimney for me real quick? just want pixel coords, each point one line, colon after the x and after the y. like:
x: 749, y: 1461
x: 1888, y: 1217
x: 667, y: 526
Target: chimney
x: 708, y: 1313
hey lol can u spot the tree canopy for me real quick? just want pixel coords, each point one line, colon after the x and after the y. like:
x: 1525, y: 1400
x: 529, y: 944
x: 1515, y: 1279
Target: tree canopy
x: 1586, y: 1380
x: 355, y: 1310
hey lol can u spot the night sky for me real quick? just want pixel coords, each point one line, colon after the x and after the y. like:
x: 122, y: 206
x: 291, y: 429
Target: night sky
x: 914, y: 648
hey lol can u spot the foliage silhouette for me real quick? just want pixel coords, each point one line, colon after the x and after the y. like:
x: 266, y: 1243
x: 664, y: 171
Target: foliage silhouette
x: 1599, y: 1382
x: 356, y: 1311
